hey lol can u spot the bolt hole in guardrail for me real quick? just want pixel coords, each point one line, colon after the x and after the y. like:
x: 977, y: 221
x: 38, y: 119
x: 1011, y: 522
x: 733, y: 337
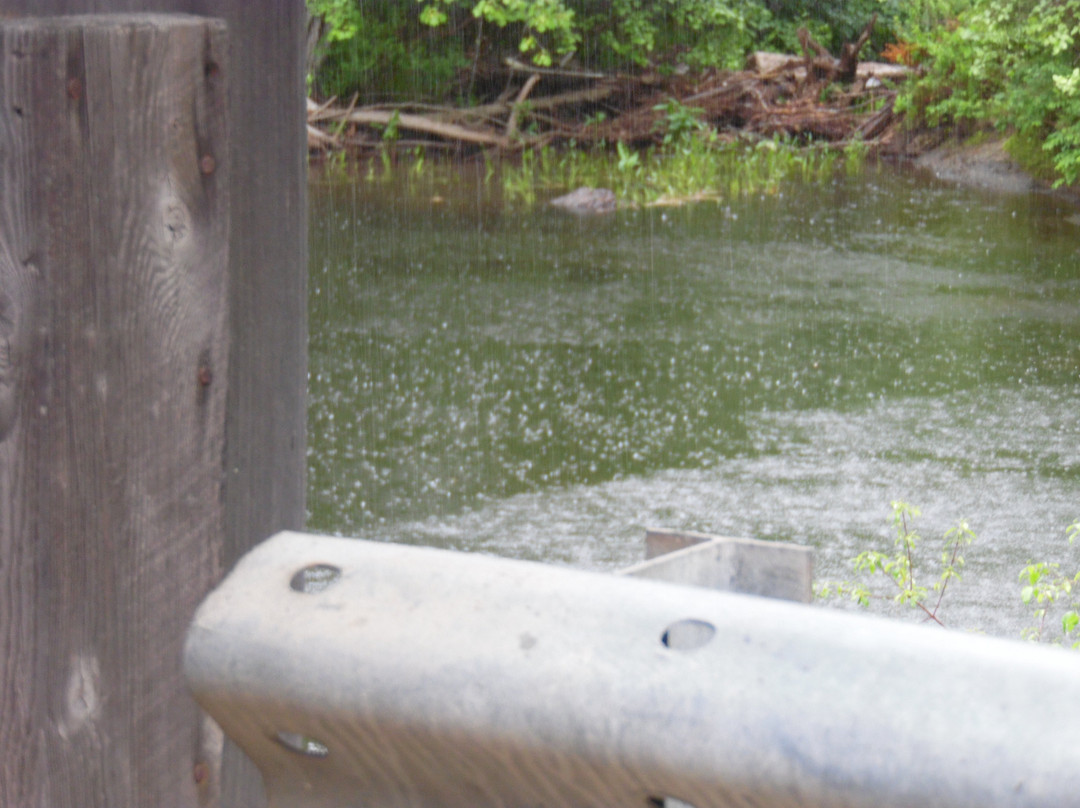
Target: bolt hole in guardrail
x: 302, y: 744
x: 666, y: 802
x: 687, y: 635
x: 315, y: 578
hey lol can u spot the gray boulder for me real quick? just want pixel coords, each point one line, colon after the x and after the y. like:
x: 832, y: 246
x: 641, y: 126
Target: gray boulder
x: 587, y: 200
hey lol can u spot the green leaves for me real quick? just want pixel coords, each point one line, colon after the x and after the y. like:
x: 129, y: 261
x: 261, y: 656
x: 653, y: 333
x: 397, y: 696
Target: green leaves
x: 433, y: 16
x: 1069, y: 621
x: 705, y: 32
x: 899, y: 566
x: 342, y: 18
x: 1014, y: 64
x: 1044, y: 588
x: 547, y: 26
x: 629, y: 159
x: 680, y: 122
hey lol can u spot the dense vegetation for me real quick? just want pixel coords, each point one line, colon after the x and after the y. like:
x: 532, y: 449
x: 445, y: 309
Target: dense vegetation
x: 432, y: 47
x: 1009, y: 64
x: 1013, y: 64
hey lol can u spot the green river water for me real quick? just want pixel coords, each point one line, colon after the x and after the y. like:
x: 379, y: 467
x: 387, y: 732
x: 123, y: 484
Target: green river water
x: 540, y: 385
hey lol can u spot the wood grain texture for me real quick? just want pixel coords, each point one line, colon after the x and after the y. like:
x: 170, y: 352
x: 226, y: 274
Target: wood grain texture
x: 267, y: 253
x: 267, y: 373
x: 114, y: 234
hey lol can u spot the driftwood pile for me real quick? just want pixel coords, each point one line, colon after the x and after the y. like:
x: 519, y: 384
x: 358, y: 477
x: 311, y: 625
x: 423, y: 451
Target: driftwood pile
x: 812, y: 97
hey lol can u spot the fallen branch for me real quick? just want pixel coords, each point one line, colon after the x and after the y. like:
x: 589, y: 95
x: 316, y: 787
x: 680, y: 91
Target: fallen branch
x: 849, y: 53
x: 317, y: 138
x: 591, y: 95
x: 876, y: 123
x: 521, y: 67
x: 516, y: 107
x: 315, y: 112
x: 419, y: 123
x: 341, y: 129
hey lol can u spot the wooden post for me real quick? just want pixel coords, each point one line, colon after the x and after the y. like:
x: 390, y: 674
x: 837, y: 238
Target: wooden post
x: 266, y: 413
x: 114, y: 245
x: 266, y: 409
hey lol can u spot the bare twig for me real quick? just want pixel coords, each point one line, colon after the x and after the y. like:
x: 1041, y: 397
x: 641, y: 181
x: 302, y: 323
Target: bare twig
x: 345, y: 117
x: 419, y: 123
x: 476, y: 56
x: 521, y: 67
x: 517, y: 106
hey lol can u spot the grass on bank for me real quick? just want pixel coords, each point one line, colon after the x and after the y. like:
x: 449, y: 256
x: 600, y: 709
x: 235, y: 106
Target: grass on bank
x: 701, y: 167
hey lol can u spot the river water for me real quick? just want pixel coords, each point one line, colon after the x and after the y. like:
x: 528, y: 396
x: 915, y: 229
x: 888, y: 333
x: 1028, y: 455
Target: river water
x: 538, y: 385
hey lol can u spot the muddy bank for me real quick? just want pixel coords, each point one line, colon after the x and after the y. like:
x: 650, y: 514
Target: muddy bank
x: 984, y: 165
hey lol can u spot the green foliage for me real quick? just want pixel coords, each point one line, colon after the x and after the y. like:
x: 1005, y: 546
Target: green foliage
x: 899, y: 566
x: 914, y: 17
x: 547, y: 26
x: 380, y: 46
x: 701, y: 167
x: 831, y: 22
x: 1014, y: 64
x: 342, y: 18
x: 1047, y: 590
x: 855, y: 154
x: 701, y: 32
x: 680, y: 122
x: 388, y: 53
x: 629, y: 159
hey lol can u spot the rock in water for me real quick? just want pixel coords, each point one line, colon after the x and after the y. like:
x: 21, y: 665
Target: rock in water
x: 587, y: 200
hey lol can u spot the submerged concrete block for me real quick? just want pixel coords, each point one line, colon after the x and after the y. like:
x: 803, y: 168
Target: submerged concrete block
x: 752, y: 567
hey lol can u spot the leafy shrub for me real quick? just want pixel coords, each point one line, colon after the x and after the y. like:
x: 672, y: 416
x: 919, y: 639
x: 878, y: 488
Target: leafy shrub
x: 381, y: 43
x: 543, y: 27
x: 1014, y: 64
x: 833, y: 22
x: 701, y: 32
x: 899, y: 567
x: 384, y: 52
x: 1046, y: 589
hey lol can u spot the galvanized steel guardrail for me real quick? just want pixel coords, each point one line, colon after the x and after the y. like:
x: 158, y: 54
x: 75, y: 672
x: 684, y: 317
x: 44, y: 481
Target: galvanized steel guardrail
x: 358, y: 673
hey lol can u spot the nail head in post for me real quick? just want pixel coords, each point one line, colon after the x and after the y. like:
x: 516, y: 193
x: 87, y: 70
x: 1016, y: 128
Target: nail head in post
x: 207, y: 164
x: 302, y: 744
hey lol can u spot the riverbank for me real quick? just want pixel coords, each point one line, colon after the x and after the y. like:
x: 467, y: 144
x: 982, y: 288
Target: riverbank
x: 778, y: 96
x: 778, y: 99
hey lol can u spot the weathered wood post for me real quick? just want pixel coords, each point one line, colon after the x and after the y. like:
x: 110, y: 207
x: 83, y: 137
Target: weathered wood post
x: 266, y: 409
x: 114, y: 247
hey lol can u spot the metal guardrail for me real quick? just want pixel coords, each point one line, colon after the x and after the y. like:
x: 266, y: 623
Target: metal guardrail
x: 358, y: 673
